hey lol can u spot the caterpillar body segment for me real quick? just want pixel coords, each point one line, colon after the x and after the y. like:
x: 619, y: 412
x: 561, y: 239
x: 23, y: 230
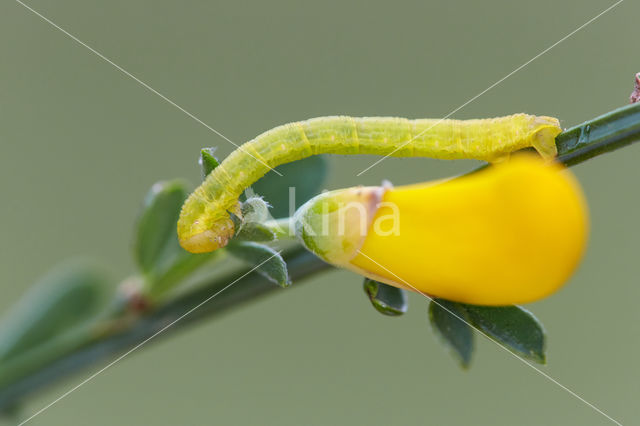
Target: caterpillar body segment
x: 205, y: 224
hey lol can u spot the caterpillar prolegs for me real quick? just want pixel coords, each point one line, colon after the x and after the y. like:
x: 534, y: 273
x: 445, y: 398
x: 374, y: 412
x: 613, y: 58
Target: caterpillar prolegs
x: 205, y: 224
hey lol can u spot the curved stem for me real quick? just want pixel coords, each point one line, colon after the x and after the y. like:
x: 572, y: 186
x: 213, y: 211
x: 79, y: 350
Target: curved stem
x: 179, y: 312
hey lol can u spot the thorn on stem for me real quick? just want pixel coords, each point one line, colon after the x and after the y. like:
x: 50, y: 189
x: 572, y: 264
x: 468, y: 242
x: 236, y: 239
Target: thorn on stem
x: 635, y: 95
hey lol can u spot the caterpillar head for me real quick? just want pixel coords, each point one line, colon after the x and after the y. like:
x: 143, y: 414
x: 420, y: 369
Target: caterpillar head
x: 203, y: 227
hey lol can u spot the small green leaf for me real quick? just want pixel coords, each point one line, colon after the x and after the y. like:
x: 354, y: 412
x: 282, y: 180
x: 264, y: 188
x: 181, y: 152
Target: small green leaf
x: 272, y: 266
x: 512, y: 326
x: 255, y: 209
x: 450, y: 322
x: 387, y: 300
x: 156, y: 248
x: 66, y: 297
x: 207, y: 161
x: 183, y: 264
x: 254, y: 231
x: 305, y: 177
x: 156, y: 228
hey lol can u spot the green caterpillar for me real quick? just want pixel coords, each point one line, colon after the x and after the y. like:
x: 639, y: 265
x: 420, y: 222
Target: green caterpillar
x: 205, y: 224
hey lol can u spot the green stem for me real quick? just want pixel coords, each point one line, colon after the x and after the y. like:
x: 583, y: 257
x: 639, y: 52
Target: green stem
x: 232, y: 290
x: 283, y: 228
x: 606, y: 133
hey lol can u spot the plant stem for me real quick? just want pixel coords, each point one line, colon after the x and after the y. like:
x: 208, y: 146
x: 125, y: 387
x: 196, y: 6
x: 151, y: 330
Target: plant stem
x: 184, y: 310
x: 606, y: 133
x: 283, y: 228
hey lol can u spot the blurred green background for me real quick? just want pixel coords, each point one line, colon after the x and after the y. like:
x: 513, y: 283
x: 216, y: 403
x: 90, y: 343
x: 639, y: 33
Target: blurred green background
x: 81, y: 143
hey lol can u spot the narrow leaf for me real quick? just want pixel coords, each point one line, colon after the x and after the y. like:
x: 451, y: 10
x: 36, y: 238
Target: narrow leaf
x: 156, y: 248
x: 300, y: 181
x: 67, y: 297
x: 254, y: 231
x: 272, y: 266
x: 449, y: 320
x: 156, y: 228
x: 207, y: 161
x: 387, y: 300
x: 512, y: 326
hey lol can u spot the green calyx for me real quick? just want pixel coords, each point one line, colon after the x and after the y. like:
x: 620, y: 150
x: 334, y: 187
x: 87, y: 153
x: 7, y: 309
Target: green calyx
x: 333, y: 225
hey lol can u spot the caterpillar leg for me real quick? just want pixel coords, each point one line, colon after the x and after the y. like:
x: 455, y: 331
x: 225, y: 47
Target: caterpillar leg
x: 544, y: 140
x: 546, y: 148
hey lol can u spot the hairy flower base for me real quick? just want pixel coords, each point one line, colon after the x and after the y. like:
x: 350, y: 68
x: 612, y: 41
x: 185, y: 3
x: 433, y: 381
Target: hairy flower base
x: 511, y: 233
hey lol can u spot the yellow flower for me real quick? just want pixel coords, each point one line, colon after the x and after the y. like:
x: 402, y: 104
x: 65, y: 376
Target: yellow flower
x: 511, y: 233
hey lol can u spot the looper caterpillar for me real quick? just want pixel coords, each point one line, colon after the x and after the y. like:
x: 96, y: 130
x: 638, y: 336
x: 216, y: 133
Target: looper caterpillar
x: 205, y: 224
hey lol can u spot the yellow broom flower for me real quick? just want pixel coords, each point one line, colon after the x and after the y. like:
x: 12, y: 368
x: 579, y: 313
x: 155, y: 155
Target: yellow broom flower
x: 511, y: 233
